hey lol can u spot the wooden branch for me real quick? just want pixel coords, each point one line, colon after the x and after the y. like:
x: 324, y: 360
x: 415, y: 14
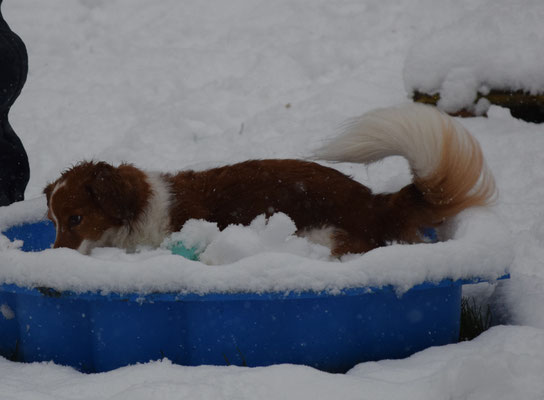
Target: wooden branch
x: 523, y: 105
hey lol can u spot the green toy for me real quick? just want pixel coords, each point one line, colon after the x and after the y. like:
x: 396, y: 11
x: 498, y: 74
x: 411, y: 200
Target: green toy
x: 179, y: 249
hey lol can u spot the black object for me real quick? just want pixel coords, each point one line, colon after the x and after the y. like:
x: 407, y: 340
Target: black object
x: 14, y: 168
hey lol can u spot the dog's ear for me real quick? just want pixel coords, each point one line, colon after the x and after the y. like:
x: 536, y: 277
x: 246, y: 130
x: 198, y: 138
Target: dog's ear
x: 48, y: 190
x: 121, y: 192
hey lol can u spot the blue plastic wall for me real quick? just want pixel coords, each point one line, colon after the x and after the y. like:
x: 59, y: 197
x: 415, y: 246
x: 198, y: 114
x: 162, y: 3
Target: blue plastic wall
x: 36, y: 237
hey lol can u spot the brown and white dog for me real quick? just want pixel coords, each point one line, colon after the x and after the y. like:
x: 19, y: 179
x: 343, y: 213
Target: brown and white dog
x: 96, y: 204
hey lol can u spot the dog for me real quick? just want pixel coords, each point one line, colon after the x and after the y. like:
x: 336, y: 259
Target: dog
x: 95, y: 204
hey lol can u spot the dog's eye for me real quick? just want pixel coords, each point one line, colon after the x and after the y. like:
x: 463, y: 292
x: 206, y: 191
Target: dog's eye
x: 74, y: 220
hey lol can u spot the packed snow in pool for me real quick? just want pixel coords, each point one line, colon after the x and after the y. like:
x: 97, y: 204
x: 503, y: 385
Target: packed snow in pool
x: 266, y: 256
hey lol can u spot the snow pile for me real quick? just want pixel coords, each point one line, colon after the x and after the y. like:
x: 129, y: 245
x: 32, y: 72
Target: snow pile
x: 498, y: 45
x: 27, y: 211
x: 273, y: 234
x: 263, y: 257
x: 469, y: 370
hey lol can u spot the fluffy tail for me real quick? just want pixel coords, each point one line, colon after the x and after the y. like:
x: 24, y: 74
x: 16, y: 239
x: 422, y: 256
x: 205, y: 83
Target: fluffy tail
x: 449, y: 171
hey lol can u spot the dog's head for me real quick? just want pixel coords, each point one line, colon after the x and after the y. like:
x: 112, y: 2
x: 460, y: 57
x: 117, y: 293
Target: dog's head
x: 91, y: 202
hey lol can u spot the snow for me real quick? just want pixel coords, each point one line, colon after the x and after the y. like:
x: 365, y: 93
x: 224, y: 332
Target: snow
x: 265, y: 257
x: 503, y: 363
x: 274, y: 234
x: 170, y: 85
x: 480, y: 50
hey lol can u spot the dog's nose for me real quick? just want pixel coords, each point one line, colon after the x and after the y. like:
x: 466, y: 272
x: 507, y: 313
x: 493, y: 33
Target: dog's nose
x: 66, y: 241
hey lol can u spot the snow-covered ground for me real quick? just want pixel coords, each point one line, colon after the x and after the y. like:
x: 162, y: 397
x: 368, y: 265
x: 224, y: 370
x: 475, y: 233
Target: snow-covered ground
x: 170, y: 85
x: 491, y: 47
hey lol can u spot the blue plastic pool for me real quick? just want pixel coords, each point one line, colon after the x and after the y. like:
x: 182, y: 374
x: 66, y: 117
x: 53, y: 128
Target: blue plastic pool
x: 94, y: 332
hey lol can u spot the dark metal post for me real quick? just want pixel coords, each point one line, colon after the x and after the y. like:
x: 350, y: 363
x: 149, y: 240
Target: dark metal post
x: 14, y: 169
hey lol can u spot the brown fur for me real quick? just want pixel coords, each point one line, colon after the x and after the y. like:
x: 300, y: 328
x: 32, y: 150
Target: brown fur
x: 314, y: 196
x: 105, y: 195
